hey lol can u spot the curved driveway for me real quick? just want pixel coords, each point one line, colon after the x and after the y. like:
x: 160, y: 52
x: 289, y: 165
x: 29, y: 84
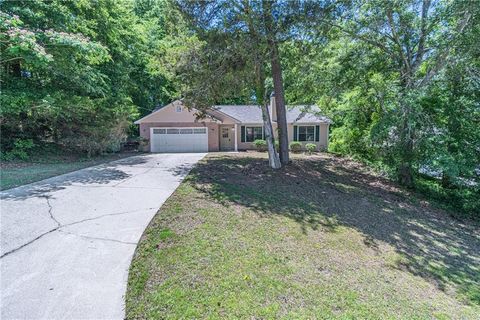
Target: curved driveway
x: 67, y: 242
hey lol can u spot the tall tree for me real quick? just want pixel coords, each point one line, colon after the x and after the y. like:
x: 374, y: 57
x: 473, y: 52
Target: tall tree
x: 413, y: 36
x: 276, y: 68
x: 230, y: 60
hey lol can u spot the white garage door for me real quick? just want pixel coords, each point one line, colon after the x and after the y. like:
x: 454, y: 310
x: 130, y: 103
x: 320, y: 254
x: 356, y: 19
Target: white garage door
x: 179, y: 140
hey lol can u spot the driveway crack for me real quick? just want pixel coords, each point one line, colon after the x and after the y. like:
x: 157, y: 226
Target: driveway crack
x: 28, y: 243
x: 50, y: 208
x: 104, y: 215
x: 97, y: 238
x: 59, y: 226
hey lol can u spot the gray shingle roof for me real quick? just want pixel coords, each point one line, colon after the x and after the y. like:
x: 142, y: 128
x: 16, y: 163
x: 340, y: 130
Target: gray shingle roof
x: 253, y: 113
x: 243, y: 113
x: 305, y: 114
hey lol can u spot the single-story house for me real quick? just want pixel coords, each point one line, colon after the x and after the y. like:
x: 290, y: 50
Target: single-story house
x: 174, y: 128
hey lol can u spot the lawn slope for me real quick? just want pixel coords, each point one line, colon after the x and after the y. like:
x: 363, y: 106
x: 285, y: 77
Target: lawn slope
x: 322, y: 238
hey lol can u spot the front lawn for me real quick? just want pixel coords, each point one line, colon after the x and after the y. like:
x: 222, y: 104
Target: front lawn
x: 17, y: 173
x: 322, y: 238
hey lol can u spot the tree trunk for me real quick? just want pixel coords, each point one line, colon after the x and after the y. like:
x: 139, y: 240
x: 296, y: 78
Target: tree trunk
x: 405, y: 170
x: 273, y: 158
x: 447, y: 182
x: 280, y: 104
x: 405, y: 174
x: 277, y: 83
x: 263, y: 101
x: 16, y: 69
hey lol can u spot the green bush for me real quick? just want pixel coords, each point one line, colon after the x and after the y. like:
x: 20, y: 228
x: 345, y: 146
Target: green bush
x: 311, y: 148
x: 260, y: 145
x: 20, y: 150
x: 461, y: 200
x: 295, y: 146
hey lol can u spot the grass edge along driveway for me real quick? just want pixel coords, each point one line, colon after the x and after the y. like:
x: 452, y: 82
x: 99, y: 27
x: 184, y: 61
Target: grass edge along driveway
x: 322, y: 238
x: 19, y: 173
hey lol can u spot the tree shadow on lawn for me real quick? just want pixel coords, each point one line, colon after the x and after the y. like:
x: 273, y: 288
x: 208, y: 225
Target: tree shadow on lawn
x: 324, y: 191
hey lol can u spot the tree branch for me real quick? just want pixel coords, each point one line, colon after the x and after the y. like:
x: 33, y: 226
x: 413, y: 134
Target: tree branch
x: 423, y: 35
x: 396, y: 39
x: 370, y: 41
x: 443, y: 56
x: 11, y: 59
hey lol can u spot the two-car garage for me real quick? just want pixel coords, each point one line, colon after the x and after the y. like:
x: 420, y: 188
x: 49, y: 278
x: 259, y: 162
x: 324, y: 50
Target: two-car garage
x: 179, y: 139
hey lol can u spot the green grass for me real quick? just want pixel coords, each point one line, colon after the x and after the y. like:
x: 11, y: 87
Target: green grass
x: 319, y: 239
x: 17, y: 173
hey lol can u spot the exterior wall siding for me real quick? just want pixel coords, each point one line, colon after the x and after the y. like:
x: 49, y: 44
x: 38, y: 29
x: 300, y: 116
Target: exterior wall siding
x: 321, y: 145
x: 169, y: 117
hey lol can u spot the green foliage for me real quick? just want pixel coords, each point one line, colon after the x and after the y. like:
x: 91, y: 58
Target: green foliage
x: 295, y: 146
x: 77, y: 73
x: 311, y: 148
x: 260, y: 145
x: 462, y: 200
x: 403, y: 97
x: 20, y: 150
x: 357, y: 74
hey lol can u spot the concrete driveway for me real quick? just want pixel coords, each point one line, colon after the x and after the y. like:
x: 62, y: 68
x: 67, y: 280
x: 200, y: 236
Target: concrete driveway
x: 67, y: 242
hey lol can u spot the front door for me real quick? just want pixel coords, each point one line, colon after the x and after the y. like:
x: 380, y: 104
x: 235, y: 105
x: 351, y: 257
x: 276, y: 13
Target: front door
x: 226, y: 138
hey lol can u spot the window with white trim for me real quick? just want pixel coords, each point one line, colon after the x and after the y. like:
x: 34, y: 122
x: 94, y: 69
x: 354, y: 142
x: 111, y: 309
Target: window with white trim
x: 178, y: 108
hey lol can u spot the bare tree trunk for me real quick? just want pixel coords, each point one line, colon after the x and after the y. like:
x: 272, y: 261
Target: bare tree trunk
x: 277, y: 83
x: 273, y: 158
x: 263, y: 101
x: 280, y: 106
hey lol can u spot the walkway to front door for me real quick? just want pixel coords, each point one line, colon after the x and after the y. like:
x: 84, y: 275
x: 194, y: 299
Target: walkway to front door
x: 227, y: 138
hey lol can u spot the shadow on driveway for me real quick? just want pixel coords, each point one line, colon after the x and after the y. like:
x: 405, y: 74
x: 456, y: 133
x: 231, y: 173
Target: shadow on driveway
x: 101, y: 175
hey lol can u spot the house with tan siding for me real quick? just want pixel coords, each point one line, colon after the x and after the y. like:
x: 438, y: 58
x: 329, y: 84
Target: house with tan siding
x: 176, y: 128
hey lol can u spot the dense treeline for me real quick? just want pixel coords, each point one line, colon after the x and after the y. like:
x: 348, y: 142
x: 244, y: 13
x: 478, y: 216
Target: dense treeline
x: 76, y: 73
x: 400, y: 79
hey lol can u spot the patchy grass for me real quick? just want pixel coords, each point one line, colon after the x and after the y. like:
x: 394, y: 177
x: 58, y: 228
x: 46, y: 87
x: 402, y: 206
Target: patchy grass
x: 321, y: 238
x: 17, y: 173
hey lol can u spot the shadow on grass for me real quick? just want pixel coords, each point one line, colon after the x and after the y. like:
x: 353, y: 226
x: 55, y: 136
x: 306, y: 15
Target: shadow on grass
x: 325, y: 192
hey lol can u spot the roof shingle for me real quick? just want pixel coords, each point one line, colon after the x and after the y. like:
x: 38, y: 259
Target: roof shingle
x: 253, y: 113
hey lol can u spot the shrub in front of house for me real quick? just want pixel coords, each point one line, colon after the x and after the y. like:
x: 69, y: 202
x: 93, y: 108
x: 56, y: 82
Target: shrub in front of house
x: 295, y: 146
x: 260, y: 145
x: 311, y: 148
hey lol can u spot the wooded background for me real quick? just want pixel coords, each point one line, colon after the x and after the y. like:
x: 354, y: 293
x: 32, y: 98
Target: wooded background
x: 400, y: 79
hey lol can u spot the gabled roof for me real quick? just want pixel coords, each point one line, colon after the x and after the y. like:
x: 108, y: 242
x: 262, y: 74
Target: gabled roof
x: 241, y: 113
x: 211, y: 117
x: 253, y: 113
x: 305, y: 114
